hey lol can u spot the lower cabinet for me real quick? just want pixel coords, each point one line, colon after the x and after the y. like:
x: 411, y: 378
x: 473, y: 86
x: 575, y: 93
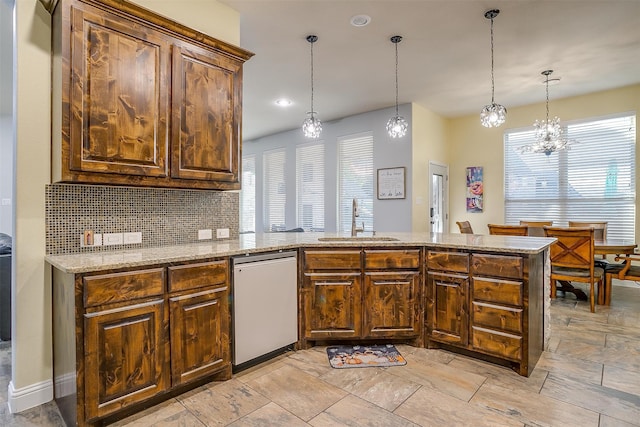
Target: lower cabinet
x: 488, y: 304
x: 199, y: 321
x: 125, y: 361
x: 333, y: 305
x: 361, y: 294
x: 137, y: 334
x: 447, y: 297
x: 447, y: 309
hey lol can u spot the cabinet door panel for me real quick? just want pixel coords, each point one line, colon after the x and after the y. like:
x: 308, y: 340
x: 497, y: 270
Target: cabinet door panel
x: 125, y: 357
x: 206, y: 110
x: 390, y: 304
x: 448, y: 307
x: 119, y: 96
x: 333, y: 305
x: 200, y: 342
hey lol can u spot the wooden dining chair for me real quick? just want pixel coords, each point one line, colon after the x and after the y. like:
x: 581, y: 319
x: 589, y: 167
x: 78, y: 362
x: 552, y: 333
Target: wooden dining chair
x: 599, y: 228
x: 465, y: 227
x: 599, y: 233
x: 572, y: 259
x: 625, y: 271
x: 508, y: 230
x: 536, y: 227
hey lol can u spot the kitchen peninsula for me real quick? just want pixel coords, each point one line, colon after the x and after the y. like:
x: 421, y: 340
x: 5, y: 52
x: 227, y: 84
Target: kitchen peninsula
x: 129, y: 326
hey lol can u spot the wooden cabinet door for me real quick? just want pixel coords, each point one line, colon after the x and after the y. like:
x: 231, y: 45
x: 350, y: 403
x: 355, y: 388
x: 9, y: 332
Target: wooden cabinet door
x: 206, y: 115
x: 125, y: 357
x: 391, y: 304
x: 447, y: 307
x: 119, y: 96
x: 332, y: 305
x: 199, y: 332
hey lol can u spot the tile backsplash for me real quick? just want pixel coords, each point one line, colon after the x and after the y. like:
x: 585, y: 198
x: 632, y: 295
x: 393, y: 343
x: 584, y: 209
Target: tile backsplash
x: 164, y: 216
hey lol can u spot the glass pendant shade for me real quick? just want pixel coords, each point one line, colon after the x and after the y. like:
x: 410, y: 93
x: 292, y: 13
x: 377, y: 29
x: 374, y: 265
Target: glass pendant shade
x: 492, y: 115
x: 311, y: 127
x: 548, y: 132
x: 397, y: 127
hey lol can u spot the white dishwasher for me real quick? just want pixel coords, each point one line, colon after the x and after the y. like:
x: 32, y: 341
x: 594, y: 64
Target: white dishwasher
x: 265, y: 304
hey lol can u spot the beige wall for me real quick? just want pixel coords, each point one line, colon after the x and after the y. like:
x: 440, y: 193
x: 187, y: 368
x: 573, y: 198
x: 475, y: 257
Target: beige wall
x: 472, y: 145
x: 429, y: 145
x: 207, y: 16
x: 31, y: 340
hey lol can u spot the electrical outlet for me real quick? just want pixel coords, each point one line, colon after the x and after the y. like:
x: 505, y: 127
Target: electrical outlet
x: 132, y: 238
x: 109, y: 239
x: 222, y: 233
x: 97, y: 240
x: 205, y: 234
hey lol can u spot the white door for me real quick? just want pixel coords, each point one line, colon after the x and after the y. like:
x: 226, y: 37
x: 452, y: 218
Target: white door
x: 439, y: 198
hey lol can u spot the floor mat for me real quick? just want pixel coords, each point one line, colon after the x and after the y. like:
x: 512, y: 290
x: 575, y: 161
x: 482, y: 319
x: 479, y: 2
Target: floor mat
x: 361, y: 356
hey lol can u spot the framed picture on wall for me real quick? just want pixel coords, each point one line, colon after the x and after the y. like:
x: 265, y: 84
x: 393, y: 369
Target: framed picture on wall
x: 391, y: 183
x: 475, y: 189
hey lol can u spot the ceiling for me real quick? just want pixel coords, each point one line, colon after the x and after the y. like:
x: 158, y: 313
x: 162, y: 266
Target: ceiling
x: 444, y: 57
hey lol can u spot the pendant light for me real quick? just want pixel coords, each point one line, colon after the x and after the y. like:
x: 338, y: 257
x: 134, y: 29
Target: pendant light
x: 492, y: 115
x: 397, y: 126
x: 548, y: 133
x: 312, y: 127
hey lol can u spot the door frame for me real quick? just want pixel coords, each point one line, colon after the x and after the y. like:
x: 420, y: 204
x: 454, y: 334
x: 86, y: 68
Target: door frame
x: 433, y: 167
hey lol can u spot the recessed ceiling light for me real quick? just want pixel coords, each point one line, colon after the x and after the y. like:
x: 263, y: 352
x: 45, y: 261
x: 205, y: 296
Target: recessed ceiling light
x: 360, y: 20
x: 283, y: 102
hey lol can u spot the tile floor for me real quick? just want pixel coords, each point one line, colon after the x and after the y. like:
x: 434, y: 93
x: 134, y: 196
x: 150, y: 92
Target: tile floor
x: 589, y: 376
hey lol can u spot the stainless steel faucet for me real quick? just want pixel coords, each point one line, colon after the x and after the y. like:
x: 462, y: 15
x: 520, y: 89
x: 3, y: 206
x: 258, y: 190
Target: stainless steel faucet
x: 354, y: 215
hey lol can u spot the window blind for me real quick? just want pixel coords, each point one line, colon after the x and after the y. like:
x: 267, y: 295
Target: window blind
x: 355, y: 180
x: 274, y: 189
x: 310, y: 186
x: 248, y: 195
x: 592, y: 181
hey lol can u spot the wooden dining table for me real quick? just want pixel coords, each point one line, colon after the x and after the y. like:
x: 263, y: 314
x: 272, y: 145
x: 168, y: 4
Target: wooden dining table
x: 601, y: 247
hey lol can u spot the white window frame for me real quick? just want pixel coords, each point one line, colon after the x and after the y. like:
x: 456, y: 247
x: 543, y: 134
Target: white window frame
x: 355, y: 180
x: 310, y: 185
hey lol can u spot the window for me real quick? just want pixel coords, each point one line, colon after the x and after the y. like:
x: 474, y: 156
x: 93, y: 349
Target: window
x: 274, y: 190
x: 592, y: 181
x: 355, y: 180
x: 310, y: 186
x: 248, y: 195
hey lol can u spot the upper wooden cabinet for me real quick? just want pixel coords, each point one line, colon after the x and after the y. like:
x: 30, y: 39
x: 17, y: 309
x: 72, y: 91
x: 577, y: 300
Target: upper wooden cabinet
x: 141, y: 100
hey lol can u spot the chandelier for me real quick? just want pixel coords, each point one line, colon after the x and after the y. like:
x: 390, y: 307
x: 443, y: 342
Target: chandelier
x: 311, y: 127
x: 548, y: 132
x: 492, y: 115
x: 397, y: 126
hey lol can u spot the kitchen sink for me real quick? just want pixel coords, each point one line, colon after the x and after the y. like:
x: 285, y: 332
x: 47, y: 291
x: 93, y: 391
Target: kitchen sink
x: 358, y: 239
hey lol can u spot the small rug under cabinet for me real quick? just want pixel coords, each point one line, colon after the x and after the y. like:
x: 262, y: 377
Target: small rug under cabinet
x: 361, y: 356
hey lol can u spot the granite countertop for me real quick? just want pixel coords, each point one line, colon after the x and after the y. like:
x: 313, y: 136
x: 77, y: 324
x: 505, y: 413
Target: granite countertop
x: 248, y: 244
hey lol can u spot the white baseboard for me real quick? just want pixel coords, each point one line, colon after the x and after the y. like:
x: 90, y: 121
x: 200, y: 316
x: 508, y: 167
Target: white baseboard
x: 30, y: 396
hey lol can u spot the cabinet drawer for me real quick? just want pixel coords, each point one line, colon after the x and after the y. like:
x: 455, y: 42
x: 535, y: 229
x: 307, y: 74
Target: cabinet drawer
x: 496, y: 290
x: 497, y: 343
x: 392, y: 259
x: 494, y: 316
x: 332, y: 260
x: 125, y: 286
x: 192, y: 276
x: 497, y: 265
x: 448, y: 261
